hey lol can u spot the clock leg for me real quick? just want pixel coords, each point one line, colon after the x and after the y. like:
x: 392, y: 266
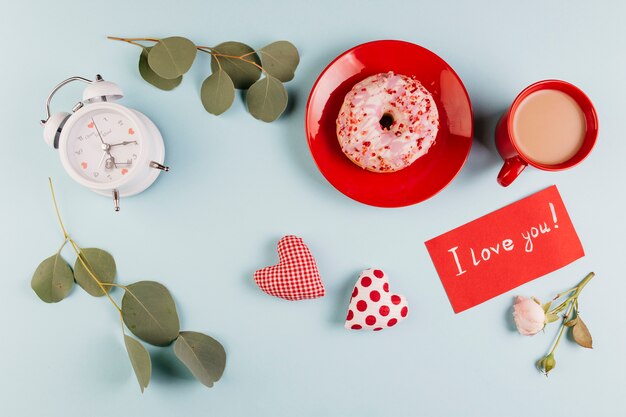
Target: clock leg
x: 116, y: 200
x: 156, y: 165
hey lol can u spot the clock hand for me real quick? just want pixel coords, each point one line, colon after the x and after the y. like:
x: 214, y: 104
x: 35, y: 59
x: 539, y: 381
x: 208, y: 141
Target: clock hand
x: 102, y: 159
x: 106, y: 148
x: 126, y: 142
x: 99, y: 135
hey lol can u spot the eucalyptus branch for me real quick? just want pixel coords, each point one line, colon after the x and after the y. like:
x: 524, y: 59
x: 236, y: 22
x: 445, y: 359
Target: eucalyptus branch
x: 147, y: 309
x: 234, y: 65
x: 77, y: 248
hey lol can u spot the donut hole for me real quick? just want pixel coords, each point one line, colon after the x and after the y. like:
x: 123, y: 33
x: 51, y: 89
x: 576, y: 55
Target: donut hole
x: 386, y: 121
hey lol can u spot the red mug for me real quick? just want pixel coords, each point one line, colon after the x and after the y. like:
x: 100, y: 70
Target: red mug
x: 514, y: 160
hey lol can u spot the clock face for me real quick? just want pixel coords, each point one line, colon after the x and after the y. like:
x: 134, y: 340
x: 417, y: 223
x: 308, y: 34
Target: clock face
x: 103, y: 145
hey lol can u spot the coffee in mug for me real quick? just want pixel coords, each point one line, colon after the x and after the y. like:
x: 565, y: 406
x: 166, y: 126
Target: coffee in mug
x: 549, y: 127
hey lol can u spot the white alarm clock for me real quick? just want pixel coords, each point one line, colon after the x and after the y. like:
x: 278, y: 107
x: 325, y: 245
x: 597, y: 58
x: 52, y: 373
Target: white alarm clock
x: 111, y: 149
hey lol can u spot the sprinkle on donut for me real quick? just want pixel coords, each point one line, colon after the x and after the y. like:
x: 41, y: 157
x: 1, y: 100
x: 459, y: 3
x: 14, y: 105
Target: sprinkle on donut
x: 386, y: 122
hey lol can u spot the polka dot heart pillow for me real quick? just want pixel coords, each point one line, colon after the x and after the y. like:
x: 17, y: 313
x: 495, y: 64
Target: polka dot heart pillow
x: 373, y: 306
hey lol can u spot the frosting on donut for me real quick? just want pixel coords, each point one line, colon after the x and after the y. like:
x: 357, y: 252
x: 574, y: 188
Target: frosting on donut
x: 386, y: 122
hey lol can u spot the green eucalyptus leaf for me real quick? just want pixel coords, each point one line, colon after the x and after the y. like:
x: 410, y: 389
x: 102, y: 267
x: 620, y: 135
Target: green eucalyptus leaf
x: 546, y: 306
x: 581, y: 334
x: 53, y: 279
x: 280, y: 59
x: 101, y: 263
x: 152, y: 77
x: 217, y: 93
x: 172, y: 57
x: 140, y: 360
x: 204, y: 356
x: 149, y: 313
x: 242, y: 71
x: 267, y: 99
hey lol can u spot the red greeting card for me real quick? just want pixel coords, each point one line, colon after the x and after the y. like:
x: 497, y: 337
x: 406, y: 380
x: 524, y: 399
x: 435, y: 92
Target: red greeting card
x: 504, y: 249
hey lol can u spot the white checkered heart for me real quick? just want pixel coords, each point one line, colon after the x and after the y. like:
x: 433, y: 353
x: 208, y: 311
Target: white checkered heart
x: 295, y: 277
x: 372, y: 306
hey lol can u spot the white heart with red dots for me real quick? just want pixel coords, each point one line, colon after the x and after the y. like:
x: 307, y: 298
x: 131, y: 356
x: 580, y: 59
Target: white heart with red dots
x: 372, y: 306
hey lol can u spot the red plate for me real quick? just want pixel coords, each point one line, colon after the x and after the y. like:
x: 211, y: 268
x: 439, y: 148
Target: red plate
x: 426, y: 176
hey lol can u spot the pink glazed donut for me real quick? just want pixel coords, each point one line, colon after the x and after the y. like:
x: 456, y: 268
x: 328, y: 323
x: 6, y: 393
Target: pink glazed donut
x: 386, y: 122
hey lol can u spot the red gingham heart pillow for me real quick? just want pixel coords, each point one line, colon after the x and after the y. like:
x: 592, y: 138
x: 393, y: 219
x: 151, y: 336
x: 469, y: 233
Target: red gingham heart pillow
x: 295, y: 276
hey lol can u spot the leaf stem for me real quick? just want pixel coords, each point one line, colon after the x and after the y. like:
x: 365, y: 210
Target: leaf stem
x: 219, y: 64
x: 560, y: 307
x: 584, y: 282
x: 122, y: 324
x: 562, y: 329
x: 112, y: 284
x: 132, y: 41
x: 212, y: 51
x: 559, y: 295
x: 79, y: 251
x: 572, y: 305
x: 206, y: 49
x: 249, y: 53
x: 574, y: 293
x: 62, y: 245
x: 56, y: 208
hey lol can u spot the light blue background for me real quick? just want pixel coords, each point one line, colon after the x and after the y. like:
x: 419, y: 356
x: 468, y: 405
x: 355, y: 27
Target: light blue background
x: 238, y: 185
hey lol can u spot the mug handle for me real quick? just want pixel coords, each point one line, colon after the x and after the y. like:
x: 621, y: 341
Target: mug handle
x: 510, y: 170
